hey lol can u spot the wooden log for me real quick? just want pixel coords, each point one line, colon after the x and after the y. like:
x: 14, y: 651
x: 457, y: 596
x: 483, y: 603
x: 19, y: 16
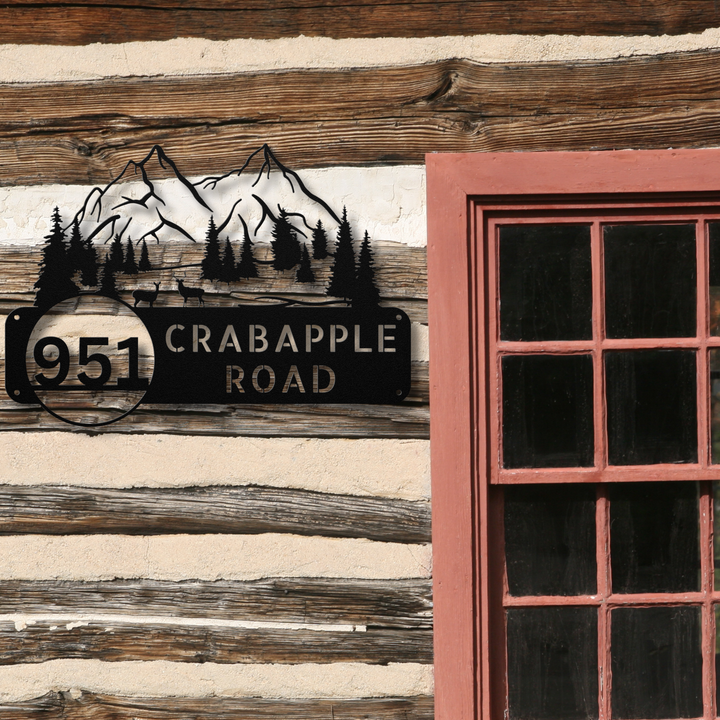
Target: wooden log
x: 401, y: 277
x: 375, y: 603
x: 421, y: 90
x: 400, y: 274
x: 315, y: 118
x: 85, y: 157
x: 407, y: 420
x: 54, y: 510
x: 319, y: 421
x: 81, y: 23
x: 91, y: 157
x: 90, y: 706
x: 111, y: 641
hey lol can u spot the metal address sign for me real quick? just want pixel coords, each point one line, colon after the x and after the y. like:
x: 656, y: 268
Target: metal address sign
x: 83, y: 345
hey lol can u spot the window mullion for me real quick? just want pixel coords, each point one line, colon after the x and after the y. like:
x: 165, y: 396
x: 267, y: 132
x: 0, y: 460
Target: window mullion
x: 703, y: 359
x: 598, y: 336
x: 708, y: 620
x: 705, y: 458
x: 604, y: 588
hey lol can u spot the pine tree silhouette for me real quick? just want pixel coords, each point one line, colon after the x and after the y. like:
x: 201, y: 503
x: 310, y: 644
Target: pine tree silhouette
x: 319, y: 242
x: 228, y: 269
x: 366, y: 292
x: 342, y: 273
x: 107, y: 284
x: 246, y: 267
x: 55, y: 278
x: 89, y: 270
x: 304, y: 273
x: 211, y: 264
x: 144, y: 265
x: 76, y: 248
x: 285, y: 245
x: 130, y: 267
x: 116, y: 255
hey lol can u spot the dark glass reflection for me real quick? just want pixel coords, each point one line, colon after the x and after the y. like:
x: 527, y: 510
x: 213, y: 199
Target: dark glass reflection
x: 651, y: 406
x: 650, y: 281
x: 716, y: 536
x: 656, y: 663
x: 545, y: 282
x: 655, y: 537
x: 717, y: 657
x: 714, y: 272
x: 715, y: 405
x: 547, y: 411
x: 550, y: 539
x: 552, y: 663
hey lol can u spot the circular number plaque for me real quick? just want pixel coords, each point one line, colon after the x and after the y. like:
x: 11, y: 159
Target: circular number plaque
x: 90, y: 360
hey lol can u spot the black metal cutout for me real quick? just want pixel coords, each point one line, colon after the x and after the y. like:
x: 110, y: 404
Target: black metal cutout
x: 268, y: 348
x: 55, y: 278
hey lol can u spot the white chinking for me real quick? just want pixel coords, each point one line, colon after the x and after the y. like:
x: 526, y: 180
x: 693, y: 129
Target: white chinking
x: 370, y: 467
x: 161, y: 678
x: 207, y: 557
x: 192, y: 56
x: 388, y: 202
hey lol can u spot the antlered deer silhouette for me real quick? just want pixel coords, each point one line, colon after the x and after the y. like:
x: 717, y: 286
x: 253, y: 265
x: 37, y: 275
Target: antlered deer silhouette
x: 189, y: 292
x: 148, y: 296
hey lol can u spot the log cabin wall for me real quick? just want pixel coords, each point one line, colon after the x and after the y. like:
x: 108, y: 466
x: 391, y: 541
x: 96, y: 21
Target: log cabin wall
x: 274, y: 562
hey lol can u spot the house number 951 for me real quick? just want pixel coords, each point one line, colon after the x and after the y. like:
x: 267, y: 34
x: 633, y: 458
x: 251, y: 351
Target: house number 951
x: 52, y: 352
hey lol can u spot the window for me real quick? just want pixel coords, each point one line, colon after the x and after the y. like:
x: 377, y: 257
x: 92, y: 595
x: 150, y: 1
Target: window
x: 575, y: 428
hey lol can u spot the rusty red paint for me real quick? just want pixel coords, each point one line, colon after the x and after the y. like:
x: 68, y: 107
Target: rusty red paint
x: 467, y: 196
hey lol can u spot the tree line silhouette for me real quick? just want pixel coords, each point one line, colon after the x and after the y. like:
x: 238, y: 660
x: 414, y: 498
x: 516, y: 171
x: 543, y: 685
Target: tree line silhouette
x: 64, y: 262
x: 352, y: 280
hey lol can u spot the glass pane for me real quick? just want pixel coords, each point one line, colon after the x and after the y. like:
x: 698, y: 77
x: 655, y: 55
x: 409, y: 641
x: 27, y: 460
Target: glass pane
x: 650, y: 276
x: 547, y: 410
x: 714, y: 269
x: 545, y: 282
x: 550, y: 539
x: 717, y: 660
x: 552, y: 663
x: 715, y: 404
x: 716, y: 536
x: 655, y: 537
x: 651, y: 406
x: 656, y: 662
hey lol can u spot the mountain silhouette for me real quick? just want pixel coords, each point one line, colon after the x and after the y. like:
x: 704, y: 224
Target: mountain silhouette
x: 151, y: 199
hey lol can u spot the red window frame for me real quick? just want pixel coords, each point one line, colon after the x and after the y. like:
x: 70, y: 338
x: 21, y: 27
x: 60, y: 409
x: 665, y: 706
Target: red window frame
x: 467, y: 196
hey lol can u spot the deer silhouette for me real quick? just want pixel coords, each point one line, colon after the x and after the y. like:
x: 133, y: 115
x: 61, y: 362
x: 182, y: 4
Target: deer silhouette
x: 148, y: 296
x: 189, y: 292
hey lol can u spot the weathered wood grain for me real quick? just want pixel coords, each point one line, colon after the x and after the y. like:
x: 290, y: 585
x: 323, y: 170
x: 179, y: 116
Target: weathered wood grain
x: 407, y: 420
x: 320, y: 421
x: 91, y: 156
x: 90, y: 706
x: 116, y: 642
x: 86, y: 132
x: 54, y: 510
x: 80, y: 23
x: 401, y: 604
x: 400, y: 274
x: 454, y: 85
